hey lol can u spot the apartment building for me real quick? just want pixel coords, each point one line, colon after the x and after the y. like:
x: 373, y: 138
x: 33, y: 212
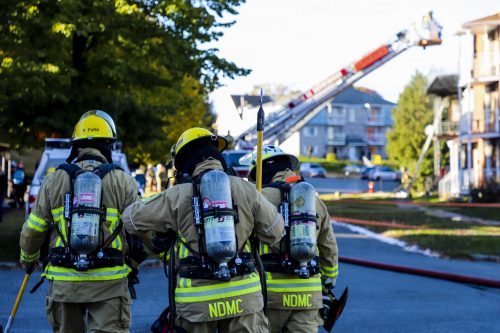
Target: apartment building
x: 352, y: 125
x: 475, y: 144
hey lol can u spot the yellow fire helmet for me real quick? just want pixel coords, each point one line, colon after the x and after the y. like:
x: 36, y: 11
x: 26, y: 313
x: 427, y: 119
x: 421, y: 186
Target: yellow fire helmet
x: 197, y: 135
x: 95, y: 124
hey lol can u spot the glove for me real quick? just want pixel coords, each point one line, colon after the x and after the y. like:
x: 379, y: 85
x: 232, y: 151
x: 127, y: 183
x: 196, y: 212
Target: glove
x: 328, y: 297
x: 136, y: 250
x: 133, y: 278
x: 29, y: 267
x: 161, y: 242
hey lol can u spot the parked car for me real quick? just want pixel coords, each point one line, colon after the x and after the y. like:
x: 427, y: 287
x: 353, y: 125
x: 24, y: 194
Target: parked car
x: 55, y: 153
x: 232, y: 158
x: 365, y: 173
x: 384, y: 173
x: 353, y: 169
x: 312, y: 170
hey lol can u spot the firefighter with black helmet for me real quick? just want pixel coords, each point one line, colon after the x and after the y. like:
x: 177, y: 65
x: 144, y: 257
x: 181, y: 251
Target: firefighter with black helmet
x: 213, y: 216
x: 296, y: 275
x: 78, y: 208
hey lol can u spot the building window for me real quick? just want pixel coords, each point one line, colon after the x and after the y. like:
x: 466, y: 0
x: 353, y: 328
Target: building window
x: 310, y: 131
x: 351, y: 113
x: 338, y: 111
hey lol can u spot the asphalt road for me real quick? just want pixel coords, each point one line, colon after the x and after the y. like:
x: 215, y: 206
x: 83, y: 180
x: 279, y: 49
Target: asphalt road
x: 379, y: 301
x: 341, y: 184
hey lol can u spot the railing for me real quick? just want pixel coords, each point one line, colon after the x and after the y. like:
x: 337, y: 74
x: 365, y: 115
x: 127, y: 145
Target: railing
x: 477, y: 125
x: 337, y: 139
x: 448, y: 128
x: 444, y: 186
x: 375, y: 120
x: 487, y: 64
x: 336, y: 120
x: 492, y: 174
x: 375, y: 139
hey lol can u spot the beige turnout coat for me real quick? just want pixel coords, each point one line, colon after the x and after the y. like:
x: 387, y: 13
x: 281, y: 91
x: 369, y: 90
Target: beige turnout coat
x: 69, y: 285
x: 287, y: 291
x: 199, y: 300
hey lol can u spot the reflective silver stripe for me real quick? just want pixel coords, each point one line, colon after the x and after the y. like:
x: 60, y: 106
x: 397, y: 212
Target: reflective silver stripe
x: 216, y: 291
x: 37, y: 225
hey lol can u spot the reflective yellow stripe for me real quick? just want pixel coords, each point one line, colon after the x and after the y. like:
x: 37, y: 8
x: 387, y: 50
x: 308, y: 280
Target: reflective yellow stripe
x: 264, y: 248
x: 183, y: 250
x: 248, y: 247
x: 219, y: 290
x: 26, y: 257
x: 36, y: 223
x: 293, y: 284
x: 113, y: 217
x: 185, y: 283
x: 330, y: 271
x: 58, y: 217
x: 98, y: 274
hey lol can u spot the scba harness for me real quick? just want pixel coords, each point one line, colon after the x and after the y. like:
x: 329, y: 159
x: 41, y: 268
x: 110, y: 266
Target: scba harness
x: 284, y: 262
x: 204, y: 265
x: 103, y: 255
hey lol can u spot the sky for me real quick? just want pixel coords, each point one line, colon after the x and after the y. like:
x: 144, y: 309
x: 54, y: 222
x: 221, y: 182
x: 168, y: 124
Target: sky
x: 298, y: 43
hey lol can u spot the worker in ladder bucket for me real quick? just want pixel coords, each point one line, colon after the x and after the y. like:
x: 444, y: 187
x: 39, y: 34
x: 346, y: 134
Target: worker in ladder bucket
x: 296, y: 275
x: 212, y: 216
x: 78, y: 208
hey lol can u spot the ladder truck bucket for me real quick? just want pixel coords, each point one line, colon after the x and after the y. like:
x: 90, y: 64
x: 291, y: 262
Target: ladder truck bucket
x: 429, y: 31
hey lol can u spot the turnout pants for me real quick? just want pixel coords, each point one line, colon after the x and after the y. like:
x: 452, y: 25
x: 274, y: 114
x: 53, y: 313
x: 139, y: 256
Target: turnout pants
x: 111, y: 315
x: 293, y: 321
x: 252, y: 323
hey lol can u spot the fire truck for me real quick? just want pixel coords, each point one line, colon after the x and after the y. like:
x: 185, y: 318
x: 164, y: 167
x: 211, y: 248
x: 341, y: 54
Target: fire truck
x: 281, y: 124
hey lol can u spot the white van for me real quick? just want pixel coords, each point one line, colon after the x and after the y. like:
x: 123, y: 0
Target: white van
x: 55, y: 153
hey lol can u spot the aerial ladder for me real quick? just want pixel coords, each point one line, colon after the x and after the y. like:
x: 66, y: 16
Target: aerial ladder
x: 281, y: 124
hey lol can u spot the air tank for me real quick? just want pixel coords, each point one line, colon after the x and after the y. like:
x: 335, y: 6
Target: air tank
x: 220, y: 237
x: 85, y: 227
x: 303, y: 225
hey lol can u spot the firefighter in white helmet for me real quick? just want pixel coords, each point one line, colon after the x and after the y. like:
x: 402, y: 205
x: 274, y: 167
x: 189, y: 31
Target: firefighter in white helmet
x: 213, y: 216
x: 294, y: 286
x: 78, y: 209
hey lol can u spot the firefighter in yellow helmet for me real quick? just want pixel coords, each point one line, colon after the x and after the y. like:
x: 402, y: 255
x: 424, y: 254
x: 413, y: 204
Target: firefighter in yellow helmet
x: 294, y: 292
x: 212, y: 216
x: 78, y: 208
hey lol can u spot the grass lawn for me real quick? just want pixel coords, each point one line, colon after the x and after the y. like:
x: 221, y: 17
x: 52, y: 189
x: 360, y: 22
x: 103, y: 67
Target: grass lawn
x: 10, y: 229
x: 455, y: 239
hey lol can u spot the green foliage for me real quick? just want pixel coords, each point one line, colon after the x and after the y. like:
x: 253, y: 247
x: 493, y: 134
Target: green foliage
x: 412, y: 113
x: 141, y: 61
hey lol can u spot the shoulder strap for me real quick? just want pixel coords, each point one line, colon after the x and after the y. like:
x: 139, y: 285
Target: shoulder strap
x: 71, y: 169
x: 103, y: 169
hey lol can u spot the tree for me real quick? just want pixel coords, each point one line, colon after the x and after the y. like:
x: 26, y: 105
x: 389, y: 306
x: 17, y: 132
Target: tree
x: 412, y: 113
x: 141, y: 61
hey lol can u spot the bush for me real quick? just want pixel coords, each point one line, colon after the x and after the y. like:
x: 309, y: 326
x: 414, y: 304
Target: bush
x: 489, y: 192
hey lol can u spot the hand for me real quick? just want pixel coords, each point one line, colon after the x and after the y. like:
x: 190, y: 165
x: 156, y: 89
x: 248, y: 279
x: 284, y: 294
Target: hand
x: 161, y: 242
x: 326, y: 307
x: 29, y: 267
x: 328, y: 298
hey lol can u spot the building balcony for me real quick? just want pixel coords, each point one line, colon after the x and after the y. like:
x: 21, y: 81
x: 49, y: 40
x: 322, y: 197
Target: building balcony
x: 338, y: 139
x: 487, y: 66
x: 336, y: 120
x: 375, y: 121
x: 448, y: 128
x: 375, y: 139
